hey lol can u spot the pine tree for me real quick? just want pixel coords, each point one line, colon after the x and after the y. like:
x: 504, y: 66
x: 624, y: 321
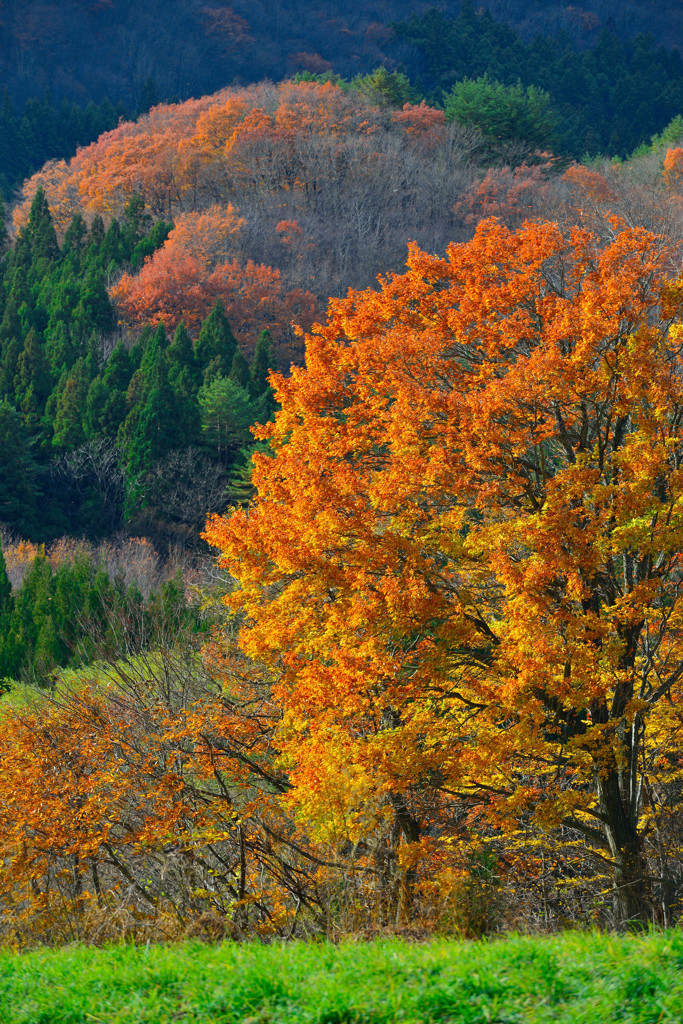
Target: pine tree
x: 40, y: 229
x: 33, y: 380
x: 262, y: 363
x: 135, y: 221
x: 18, y: 490
x: 59, y: 349
x: 113, y: 248
x: 95, y: 239
x: 68, y: 420
x: 183, y: 372
x: 105, y: 410
x: 157, y: 422
x: 5, y: 585
x: 226, y: 415
x: 118, y: 371
x: 74, y: 239
x: 216, y: 345
x: 239, y: 371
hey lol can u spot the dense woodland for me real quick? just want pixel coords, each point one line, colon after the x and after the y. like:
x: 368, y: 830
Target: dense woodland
x: 91, y: 49
x: 612, y: 70
x: 370, y: 359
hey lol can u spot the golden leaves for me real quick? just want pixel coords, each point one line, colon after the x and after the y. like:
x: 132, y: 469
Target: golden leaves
x: 471, y: 514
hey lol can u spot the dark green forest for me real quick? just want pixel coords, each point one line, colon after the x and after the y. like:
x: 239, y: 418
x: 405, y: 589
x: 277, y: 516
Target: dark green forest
x: 98, y: 438
x: 47, y: 131
x: 606, y: 99
x: 85, y: 419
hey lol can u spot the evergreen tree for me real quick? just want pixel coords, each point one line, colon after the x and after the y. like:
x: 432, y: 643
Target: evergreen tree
x: 216, y: 345
x: 118, y: 371
x: 33, y: 380
x: 40, y: 229
x: 135, y: 221
x: 262, y: 363
x: 157, y: 422
x: 183, y: 372
x: 76, y: 233
x: 226, y: 415
x: 113, y: 248
x: 59, y: 349
x: 105, y: 410
x: 95, y: 240
x: 5, y: 585
x: 239, y: 371
x: 71, y: 406
x: 150, y: 243
x: 18, y: 471
x: 149, y: 96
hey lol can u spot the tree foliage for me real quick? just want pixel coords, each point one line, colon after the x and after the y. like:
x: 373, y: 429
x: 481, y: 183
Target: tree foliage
x: 472, y: 601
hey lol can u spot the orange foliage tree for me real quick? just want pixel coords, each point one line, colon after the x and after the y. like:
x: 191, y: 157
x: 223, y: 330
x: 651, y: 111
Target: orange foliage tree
x: 422, y: 123
x: 160, y: 156
x: 144, y: 801
x: 463, y: 560
x: 673, y: 167
x: 510, y: 193
x: 183, y: 280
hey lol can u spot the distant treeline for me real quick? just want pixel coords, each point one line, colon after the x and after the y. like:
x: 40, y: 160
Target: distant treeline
x: 607, y: 99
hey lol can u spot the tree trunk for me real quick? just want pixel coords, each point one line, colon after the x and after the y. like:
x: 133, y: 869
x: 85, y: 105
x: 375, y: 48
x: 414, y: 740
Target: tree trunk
x: 632, y: 896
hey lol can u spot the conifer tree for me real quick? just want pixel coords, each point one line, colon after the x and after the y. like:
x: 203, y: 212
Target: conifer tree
x: 216, y: 345
x: 118, y: 371
x: 262, y: 363
x: 156, y: 424
x: 59, y: 349
x: 5, y: 585
x: 182, y: 365
x: 76, y: 233
x: 68, y: 420
x: 239, y: 371
x: 18, y: 490
x: 33, y: 380
x: 105, y: 410
x: 95, y: 239
x: 226, y: 415
x: 40, y: 230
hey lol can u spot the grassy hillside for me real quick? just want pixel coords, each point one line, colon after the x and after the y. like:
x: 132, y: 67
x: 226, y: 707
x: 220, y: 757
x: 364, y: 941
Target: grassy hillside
x: 571, y: 978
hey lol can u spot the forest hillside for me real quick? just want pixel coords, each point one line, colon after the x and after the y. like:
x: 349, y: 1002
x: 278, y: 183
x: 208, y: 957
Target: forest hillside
x: 89, y: 49
x: 341, y: 487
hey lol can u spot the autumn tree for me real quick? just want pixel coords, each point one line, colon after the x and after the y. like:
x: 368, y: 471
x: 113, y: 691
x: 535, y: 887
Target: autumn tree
x: 462, y: 561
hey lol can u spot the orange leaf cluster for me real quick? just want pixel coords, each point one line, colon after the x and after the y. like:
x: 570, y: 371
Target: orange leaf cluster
x: 673, y: 167
x: 422, y: 123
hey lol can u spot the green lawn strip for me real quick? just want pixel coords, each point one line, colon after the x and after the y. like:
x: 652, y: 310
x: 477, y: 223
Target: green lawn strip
x: 577, y: 978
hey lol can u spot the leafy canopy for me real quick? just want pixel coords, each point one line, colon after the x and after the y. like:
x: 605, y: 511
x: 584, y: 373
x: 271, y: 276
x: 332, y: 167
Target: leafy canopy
x: 463, y: 556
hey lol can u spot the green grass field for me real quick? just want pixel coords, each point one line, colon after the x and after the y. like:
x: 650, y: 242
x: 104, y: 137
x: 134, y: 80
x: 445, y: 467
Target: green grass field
x: 577, y: 978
